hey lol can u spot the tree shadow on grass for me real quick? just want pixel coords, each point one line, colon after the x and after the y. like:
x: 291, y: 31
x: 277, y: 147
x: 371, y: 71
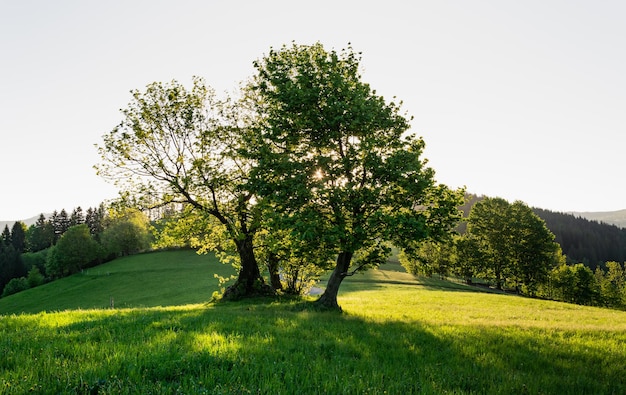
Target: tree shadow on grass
x: 282, y: 348
x: 383, y: 279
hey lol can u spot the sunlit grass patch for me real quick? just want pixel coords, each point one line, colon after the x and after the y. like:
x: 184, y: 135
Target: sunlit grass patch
x: 166, y: 278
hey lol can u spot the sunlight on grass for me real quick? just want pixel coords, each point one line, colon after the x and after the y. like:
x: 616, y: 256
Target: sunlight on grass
x: 398, y: 334
x: 217, y: 343
x: 166, y: 278
x: 477, y: 309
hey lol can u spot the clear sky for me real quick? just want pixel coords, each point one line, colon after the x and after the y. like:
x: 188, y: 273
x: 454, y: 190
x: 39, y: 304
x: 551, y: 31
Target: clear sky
x: 517, y: 99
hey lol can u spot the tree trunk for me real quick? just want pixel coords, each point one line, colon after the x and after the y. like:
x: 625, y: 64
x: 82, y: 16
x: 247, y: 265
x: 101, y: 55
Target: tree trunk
x: 272, y: 267
x: 498, y: 276
x: 249, y: 282
x: 328, y: 300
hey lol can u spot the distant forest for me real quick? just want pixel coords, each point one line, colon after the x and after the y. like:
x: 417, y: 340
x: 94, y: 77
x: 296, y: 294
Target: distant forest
x: 584, y: 241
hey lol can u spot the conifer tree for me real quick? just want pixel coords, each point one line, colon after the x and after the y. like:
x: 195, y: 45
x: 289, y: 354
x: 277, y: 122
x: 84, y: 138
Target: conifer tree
x: 18, y: 236
x: 6, y: 235
x: 77, y: 217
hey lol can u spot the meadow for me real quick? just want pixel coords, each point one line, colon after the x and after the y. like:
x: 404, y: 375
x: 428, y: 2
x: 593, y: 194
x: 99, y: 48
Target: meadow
x: 398, y: 334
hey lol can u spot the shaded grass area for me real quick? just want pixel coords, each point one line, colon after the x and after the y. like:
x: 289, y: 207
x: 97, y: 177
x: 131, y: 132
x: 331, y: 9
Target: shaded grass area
x: 165, y: 278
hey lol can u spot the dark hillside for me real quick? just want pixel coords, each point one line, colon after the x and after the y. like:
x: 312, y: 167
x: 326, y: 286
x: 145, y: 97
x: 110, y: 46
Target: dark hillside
x: 585, y: 241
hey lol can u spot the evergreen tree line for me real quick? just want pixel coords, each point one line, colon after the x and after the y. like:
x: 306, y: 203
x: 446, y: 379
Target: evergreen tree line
x: 584, y: 241
x: 64, y: 244
x: 509, y: 247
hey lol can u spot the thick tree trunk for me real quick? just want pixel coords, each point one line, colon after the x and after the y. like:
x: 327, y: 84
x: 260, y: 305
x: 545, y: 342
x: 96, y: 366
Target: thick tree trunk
x: 249, y: 282
x: 328, y: 300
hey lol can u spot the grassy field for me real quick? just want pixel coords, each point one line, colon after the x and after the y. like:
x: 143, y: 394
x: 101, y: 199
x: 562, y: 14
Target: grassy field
x: 167, y: 278
x: 397, y: 335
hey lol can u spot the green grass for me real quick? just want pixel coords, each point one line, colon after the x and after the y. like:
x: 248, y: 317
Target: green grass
x: 397, y: 335
x: 166, y: 278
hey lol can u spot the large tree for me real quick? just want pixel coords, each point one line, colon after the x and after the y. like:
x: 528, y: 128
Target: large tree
x: 535, y: 252
x: 489, y: 229
x: 181, y: 145
x: 75, y: 250
x: 77, y: 217
x: 336, y: 161
x: 509, y: 243
x: 6, y: 235
x: 128, y: 232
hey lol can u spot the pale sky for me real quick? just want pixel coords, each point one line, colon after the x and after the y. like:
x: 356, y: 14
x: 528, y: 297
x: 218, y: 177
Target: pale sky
x: 524, y: 100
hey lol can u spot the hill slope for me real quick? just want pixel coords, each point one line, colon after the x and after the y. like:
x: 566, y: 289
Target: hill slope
x: 28, y: 221
x: 586, y: 241
x: 617, y: 218
x: 165, y: 278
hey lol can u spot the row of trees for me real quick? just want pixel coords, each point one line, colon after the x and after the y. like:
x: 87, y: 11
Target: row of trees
x: 510, y: 247
x: 504, y: 244
x: 308, y: 167
x: 61, y: 245
x: 579, y: 284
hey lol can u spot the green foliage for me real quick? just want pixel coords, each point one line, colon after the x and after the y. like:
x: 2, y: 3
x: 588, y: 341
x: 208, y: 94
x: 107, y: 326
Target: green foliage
x: 612, y: 284
x: 128, y: 232
x: 15, y: 285
x: 575, y: 284
x: 18, y: 236
x: 75, y: 250
x: 298, y: 263
x: 430, y: 258
x: 77, y: 217
x: 35, y: 260
x: 469, y: 258
x: 60, y: 221
x: 508, y: 243
x: 534, y: 251
x: 5, y: 237
x: 198, y: 230
x: 335, y: 162
x: 40, y: 235
x: 11, y: 265
x: 178, y: 145
x: 35, y: 278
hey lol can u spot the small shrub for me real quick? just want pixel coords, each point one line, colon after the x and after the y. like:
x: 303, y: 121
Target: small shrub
x: 35, y: 278
x: 15, y: 285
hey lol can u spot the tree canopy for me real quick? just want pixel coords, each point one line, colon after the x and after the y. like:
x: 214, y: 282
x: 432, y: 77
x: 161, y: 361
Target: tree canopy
x: 178, y: 145
x: 509, y: 242
x: 336, y: 161
x: 75, y: 250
